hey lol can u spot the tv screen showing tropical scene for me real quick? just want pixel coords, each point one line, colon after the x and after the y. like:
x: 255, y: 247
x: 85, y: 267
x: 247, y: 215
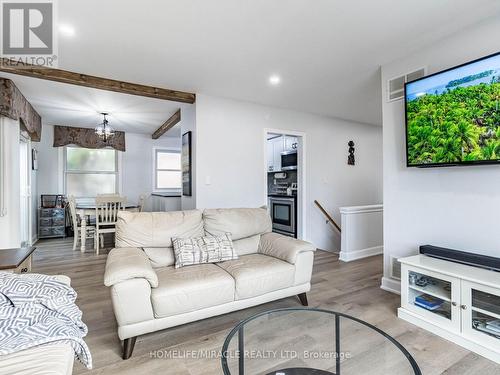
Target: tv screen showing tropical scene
x: 454, y: 117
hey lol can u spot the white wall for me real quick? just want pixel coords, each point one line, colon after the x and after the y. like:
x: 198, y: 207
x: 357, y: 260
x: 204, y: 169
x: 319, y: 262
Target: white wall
x: 136, y: 163
x: 47, y: 176
x: 362, y: 229
x: 452, y: 207
x: 10, y: 233
x: 230, y: 154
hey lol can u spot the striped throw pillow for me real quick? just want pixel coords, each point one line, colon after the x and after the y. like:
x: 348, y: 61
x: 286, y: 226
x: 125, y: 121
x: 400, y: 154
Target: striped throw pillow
x: 210, y: 249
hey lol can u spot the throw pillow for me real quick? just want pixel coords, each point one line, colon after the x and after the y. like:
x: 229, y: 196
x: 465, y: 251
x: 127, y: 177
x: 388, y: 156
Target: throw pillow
x: 212, y: 249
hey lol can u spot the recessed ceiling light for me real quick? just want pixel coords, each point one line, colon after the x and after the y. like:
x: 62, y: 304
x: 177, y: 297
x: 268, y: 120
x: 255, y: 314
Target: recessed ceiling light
x: 67, y: 30
x: 275, y: 80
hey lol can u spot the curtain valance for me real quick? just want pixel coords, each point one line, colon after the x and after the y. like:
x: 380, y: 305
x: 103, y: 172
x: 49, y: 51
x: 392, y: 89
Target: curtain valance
x: 15, y: 106
x: 67, y: 135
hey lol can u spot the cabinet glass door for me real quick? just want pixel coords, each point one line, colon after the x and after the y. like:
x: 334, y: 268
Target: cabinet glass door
x: 434, y: 297
x: 481, y: 314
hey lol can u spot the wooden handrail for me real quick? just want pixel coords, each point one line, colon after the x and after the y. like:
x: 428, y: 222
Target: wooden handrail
x: 330, y: 219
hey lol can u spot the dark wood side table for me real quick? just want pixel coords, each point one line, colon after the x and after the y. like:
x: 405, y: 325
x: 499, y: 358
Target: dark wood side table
x: 16, y: 260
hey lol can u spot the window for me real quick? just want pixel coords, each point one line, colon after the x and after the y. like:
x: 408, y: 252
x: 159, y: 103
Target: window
x: 88, y: 172
x: 167, y: 173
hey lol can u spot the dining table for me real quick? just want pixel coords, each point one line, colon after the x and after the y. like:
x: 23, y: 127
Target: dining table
x: 84, y: 209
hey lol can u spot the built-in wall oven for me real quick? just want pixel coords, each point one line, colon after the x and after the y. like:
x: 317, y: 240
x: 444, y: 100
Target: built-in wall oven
x: 284, y: 215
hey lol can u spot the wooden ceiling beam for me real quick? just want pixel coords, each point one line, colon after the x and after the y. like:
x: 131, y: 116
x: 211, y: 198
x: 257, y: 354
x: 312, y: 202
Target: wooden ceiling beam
x: 167, y: 125
x: 85, y: 80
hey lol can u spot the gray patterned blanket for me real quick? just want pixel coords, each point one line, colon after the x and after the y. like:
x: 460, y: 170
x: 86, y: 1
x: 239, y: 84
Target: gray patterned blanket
x: 38, y: 309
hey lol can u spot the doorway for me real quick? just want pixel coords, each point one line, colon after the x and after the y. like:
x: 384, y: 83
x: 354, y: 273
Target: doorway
x: 285, y: 170
x: 25, y: 190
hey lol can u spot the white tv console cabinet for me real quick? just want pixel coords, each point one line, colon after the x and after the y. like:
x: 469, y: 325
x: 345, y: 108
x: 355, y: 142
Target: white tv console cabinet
x: 470, y: 307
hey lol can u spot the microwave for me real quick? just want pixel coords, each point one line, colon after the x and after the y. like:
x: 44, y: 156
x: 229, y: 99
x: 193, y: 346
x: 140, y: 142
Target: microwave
x: 289, y: 160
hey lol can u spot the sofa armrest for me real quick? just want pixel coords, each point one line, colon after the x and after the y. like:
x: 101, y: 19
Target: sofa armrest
x: 128, y: 263
x: 131, y: 303
x: 283, y: 247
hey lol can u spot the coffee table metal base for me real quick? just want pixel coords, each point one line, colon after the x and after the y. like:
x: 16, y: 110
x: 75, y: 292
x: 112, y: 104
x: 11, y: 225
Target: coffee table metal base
x: 300, y: 371
x: 237, y: 338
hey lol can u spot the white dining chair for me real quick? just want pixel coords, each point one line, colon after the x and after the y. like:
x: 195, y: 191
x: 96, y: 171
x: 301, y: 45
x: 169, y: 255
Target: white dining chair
x: 142, y: 201
x: 76, y: 223
x: 106, y: 214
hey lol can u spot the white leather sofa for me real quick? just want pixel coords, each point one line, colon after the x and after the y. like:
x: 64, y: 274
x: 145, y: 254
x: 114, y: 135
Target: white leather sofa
x: 150, y: 294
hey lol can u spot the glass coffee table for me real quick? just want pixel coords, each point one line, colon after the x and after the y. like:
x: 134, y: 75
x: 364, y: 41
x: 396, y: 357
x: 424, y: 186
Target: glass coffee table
x: 299, y: 341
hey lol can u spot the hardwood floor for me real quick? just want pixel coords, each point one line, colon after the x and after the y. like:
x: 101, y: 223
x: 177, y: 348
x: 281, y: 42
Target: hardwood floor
x: 352, y: 288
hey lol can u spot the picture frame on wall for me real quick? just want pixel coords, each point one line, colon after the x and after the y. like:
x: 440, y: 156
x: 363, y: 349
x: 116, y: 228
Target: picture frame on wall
x: 186, y: 164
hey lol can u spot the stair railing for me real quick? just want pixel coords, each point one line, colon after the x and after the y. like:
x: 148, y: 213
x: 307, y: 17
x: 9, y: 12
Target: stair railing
x: 328, y: 217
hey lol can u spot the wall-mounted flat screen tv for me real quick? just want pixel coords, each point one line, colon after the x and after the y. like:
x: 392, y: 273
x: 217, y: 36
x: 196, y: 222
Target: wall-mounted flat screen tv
x: 453, y: 117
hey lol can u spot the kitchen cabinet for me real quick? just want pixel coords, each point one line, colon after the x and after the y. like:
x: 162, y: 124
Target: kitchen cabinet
x: 161, y: 203
x: 290, y: 143
x: 274, y: 150
x: 277, y: 150
x: 275, y: 147
x: 270, y: 156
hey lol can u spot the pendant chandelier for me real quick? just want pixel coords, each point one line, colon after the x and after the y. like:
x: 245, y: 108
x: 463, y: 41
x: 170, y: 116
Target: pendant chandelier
x: 104, y: 130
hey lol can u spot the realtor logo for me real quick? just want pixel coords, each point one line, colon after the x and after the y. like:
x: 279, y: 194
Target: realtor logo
x: 28, y: 32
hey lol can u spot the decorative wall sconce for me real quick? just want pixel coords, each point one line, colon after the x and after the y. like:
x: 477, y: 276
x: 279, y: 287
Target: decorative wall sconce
x: 350, y: 159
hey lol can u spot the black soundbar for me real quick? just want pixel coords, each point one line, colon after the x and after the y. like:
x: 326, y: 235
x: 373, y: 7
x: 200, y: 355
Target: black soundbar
x: 477, y: 260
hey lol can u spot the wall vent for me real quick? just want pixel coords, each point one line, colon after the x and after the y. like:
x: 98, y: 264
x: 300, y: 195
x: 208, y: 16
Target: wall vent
x: 395, y: 268
x: 396, y: 86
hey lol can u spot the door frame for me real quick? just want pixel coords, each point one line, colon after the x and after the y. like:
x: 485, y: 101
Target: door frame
x: 301, y: 176
x: 24, y: 138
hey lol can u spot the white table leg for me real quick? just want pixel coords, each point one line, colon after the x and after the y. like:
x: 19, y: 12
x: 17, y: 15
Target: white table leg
x: 83, y: 231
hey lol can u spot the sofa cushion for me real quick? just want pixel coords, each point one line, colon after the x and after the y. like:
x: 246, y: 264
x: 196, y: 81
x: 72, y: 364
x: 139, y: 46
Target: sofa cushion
x: 156, y: 229
x: 191, y: 288
x: 257, y: 274
x: 160, y: 256
x: 248, y: 245
x: 240, y: 222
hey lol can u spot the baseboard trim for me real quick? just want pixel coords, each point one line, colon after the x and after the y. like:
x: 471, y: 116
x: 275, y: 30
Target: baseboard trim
x: 455, y: 338
x: 391, y: 285
x: 349, y: 256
